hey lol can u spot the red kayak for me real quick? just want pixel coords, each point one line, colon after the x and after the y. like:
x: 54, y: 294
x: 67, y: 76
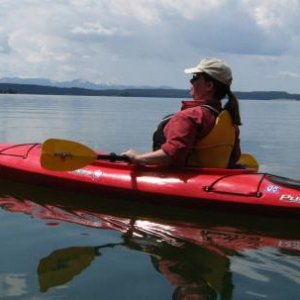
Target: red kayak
x: 241, y: 188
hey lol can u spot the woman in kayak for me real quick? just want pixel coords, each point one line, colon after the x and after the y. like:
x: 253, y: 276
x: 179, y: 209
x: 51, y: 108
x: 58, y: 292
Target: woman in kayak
x: 202, y: 133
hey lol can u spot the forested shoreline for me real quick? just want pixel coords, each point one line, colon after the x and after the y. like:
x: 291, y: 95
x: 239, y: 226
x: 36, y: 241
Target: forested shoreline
x: 11, y: 88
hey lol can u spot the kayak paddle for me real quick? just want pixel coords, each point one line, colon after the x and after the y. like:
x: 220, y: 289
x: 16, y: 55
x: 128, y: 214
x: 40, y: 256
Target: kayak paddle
x: 248, y: 161
x: 65, y: 155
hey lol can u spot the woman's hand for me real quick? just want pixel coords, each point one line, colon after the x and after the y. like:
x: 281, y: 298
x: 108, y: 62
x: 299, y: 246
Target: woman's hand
x: 133, y: 156
x: 158, y: 157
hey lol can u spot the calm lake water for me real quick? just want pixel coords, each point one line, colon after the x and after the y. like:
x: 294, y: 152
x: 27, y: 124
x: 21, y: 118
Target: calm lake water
x: 65, y: 245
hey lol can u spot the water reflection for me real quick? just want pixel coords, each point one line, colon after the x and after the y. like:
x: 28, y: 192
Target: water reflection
x: 196, y: 251
x: 12, y: 285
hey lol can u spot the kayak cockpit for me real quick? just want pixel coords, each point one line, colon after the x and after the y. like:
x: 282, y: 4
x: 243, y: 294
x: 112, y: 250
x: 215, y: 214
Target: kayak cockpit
x: 284, y: 181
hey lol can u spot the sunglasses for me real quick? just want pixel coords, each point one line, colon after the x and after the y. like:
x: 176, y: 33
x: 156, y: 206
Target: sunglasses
x: 195, y: 77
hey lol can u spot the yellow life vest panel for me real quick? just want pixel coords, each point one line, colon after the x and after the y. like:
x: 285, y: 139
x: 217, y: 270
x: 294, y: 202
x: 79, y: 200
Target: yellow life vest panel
x: 214, y: 150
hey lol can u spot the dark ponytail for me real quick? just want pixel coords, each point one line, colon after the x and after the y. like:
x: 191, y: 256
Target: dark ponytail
x: 232, y: 105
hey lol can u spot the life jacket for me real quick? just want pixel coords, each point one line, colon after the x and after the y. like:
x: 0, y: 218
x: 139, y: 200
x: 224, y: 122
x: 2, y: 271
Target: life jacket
x: 211, y: 151
x: 214, y: 150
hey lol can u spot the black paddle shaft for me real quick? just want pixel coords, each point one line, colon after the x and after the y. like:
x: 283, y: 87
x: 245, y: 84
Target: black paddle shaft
x: 113, y: 157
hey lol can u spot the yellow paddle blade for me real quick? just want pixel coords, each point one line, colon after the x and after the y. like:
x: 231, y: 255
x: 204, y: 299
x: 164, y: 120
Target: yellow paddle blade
x: 249, y: 161
x: 64, y: 155
x: 62, y: 265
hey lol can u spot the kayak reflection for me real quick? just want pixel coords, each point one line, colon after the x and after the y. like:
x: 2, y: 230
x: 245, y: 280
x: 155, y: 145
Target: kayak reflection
x: 206, y: 274
x: 192, y: 250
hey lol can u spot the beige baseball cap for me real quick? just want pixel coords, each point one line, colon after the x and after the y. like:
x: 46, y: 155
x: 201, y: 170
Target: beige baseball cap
x: 214, y: 67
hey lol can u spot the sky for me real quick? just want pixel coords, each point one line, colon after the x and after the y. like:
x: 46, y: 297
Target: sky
x: 151, y: 42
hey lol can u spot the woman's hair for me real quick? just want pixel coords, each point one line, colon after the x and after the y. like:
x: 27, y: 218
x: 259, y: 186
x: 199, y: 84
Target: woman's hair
x: 232, y: 105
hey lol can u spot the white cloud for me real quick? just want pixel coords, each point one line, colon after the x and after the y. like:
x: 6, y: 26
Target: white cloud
x: 192, y: 9
x: 287, y: 75
x: 38, y: 47
x: 271, y: 14
x: 97, y: 29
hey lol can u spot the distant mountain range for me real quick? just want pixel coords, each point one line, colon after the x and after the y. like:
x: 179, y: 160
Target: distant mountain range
x: 84, y: 88
x: 76, y: 83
